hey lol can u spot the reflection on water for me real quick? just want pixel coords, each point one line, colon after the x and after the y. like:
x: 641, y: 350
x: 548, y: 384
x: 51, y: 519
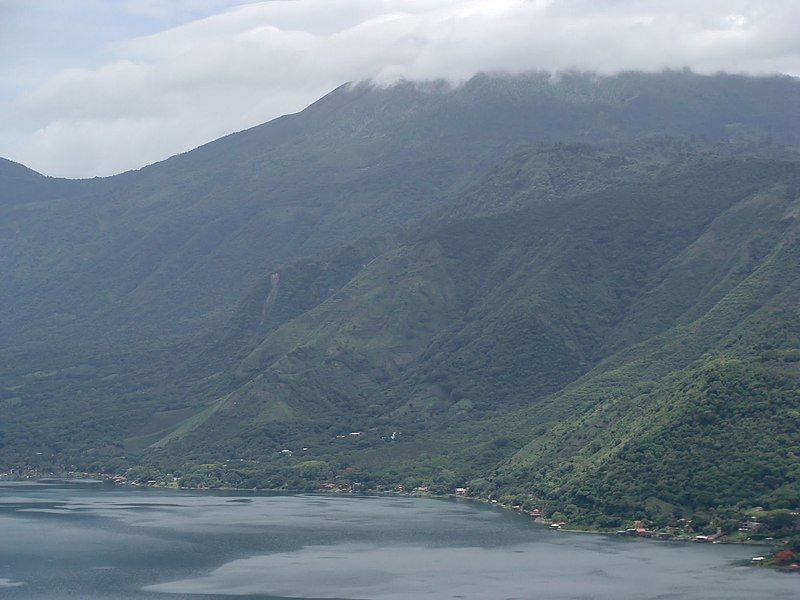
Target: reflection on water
x: 76, y: 541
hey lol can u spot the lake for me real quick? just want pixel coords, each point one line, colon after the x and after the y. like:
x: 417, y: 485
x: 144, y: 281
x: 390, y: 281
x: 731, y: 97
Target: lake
x: 63, y: 540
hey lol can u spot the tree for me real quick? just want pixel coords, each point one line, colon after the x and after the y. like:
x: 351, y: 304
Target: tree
x: 784, y: 557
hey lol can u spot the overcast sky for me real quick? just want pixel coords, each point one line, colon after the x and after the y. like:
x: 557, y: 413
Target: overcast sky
x: 95, y: 87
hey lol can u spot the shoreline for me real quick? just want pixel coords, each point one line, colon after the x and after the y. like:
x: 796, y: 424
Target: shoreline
x: 762, y: 562
x: 538, y: 520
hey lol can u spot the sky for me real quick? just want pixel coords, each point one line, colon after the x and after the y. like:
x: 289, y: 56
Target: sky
x: 97, y: 87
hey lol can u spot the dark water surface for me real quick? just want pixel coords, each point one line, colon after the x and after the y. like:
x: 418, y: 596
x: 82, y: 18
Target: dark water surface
x: 90, y: 541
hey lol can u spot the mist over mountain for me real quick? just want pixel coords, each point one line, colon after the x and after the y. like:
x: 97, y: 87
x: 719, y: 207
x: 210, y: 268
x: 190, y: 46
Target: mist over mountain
x: 578, y: 289
x: 134, y: 82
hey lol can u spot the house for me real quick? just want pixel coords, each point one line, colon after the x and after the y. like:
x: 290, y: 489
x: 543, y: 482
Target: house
x: 746, y: 526
x: 460, y: 491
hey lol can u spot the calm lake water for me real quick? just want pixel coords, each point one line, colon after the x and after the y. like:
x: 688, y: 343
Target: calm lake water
x: 91, y: 541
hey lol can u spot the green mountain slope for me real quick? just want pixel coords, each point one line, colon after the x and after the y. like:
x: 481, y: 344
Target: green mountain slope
x: 601, y: 351
x: 703, y: 414
x: 173, y: 247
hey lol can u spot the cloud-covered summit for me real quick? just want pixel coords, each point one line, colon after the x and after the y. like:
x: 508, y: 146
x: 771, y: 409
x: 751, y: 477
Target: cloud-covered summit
x: 167, y: 92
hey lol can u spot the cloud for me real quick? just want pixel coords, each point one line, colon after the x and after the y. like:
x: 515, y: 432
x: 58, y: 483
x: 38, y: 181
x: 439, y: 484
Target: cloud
x: 180, y: 9
x: 171, y: 91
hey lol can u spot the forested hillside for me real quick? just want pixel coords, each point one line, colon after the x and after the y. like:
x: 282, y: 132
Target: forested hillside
x: 556, y: 345
x: 579, y: 290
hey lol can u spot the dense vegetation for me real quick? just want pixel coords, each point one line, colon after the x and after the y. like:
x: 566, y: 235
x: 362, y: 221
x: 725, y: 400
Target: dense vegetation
x: 425, y: 286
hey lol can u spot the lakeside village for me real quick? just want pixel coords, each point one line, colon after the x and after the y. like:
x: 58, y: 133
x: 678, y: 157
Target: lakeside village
x: 754, y: 526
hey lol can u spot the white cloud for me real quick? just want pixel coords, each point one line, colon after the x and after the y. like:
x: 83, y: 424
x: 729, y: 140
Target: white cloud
x: 174, y: 90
